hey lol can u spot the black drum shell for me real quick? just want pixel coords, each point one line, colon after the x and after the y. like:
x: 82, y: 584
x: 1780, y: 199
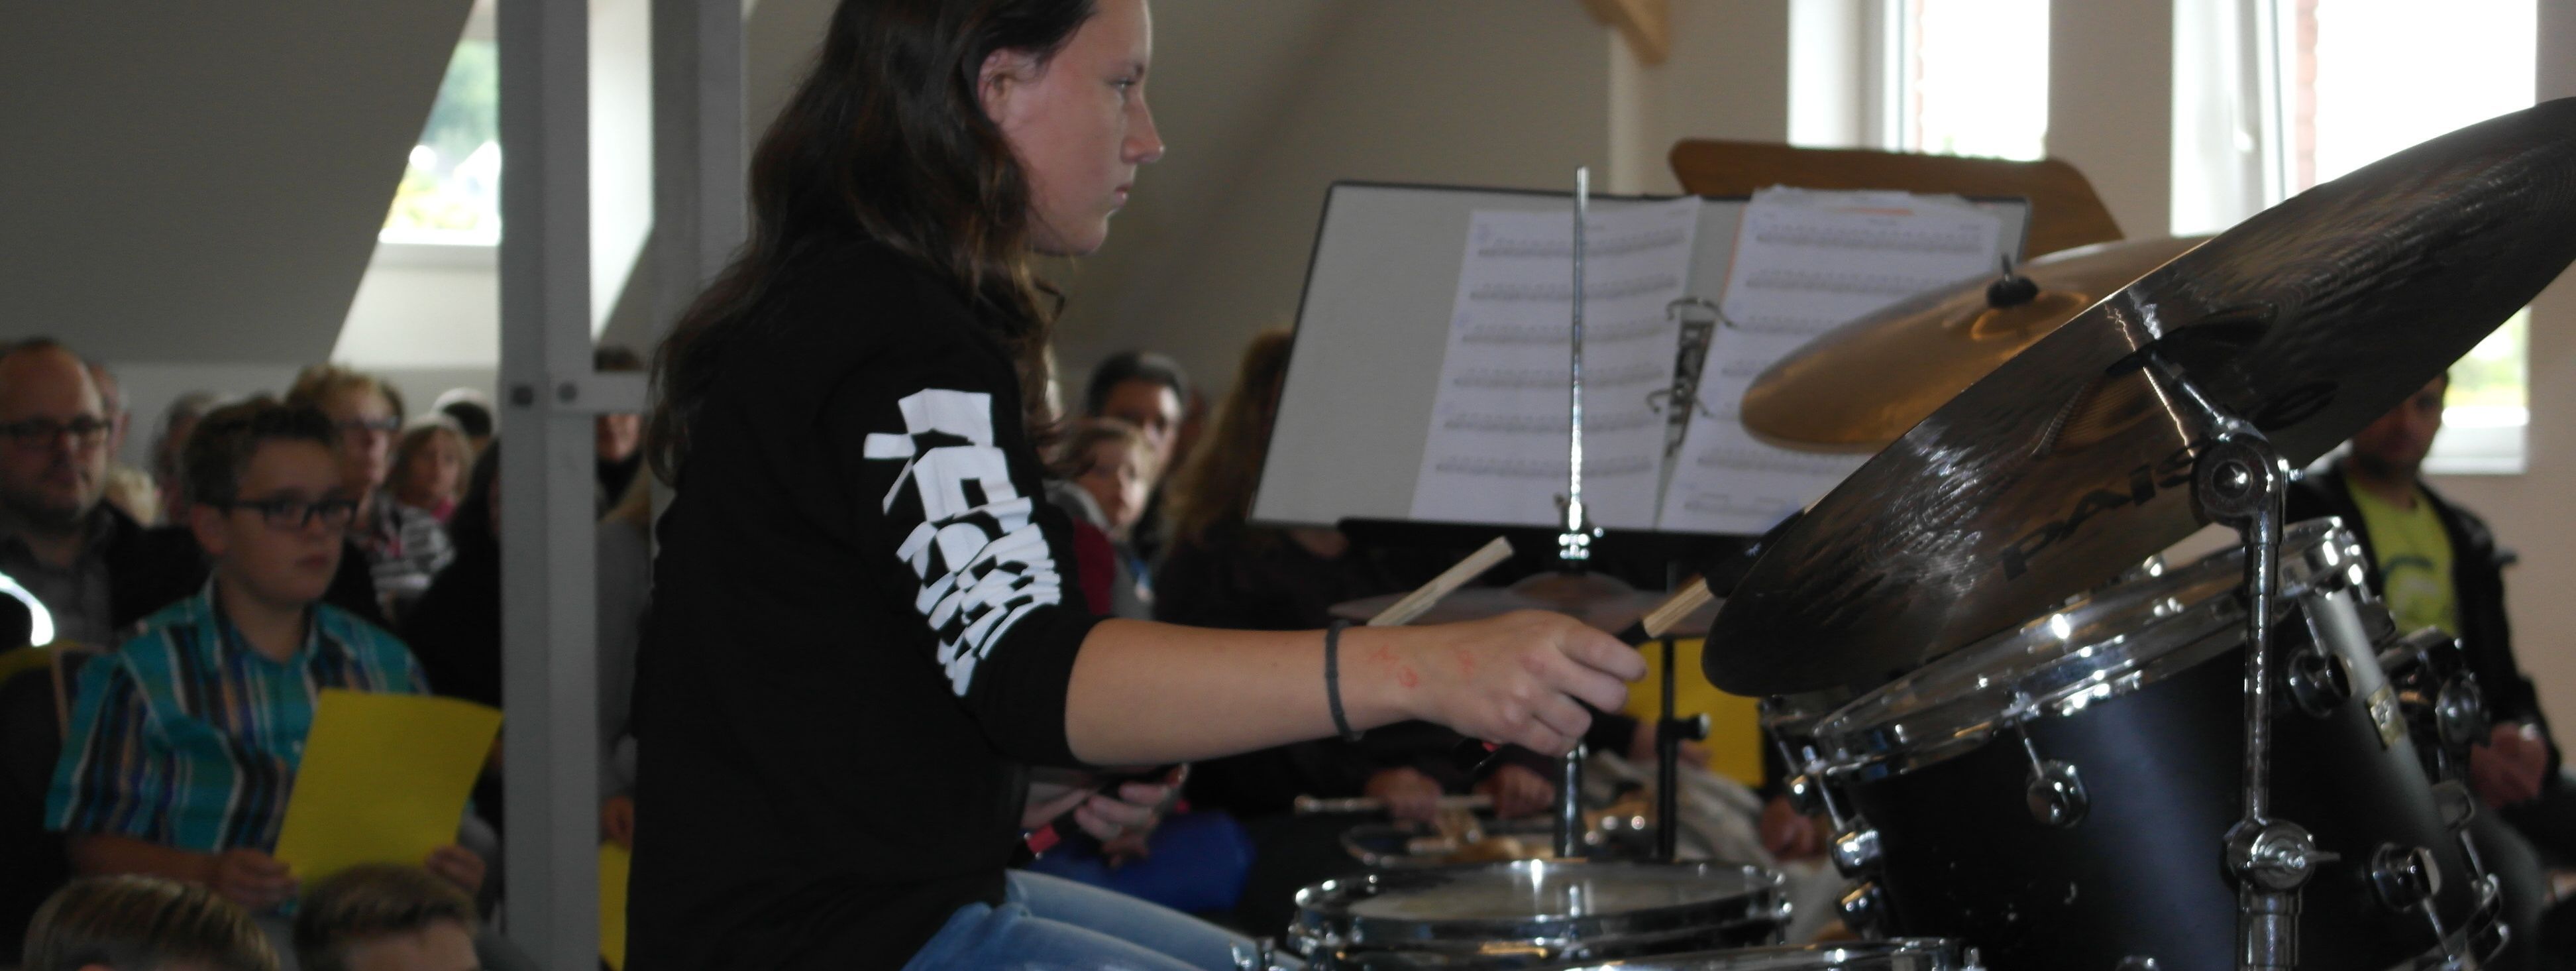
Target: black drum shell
x: 2143, y: 873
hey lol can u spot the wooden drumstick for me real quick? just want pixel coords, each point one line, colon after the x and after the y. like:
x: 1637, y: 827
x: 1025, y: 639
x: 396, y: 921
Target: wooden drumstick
x: 1420, y: 601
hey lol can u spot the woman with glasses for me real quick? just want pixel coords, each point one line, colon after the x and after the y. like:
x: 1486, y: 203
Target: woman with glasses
x: 184, y: 741
x: 861, y: 637
x: 404, y: 546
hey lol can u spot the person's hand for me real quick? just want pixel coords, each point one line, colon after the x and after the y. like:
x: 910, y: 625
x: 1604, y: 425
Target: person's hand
x: 1517, y: 791
x: 617, y: 821
x: 1514, y: 679
x: 1122, y: 820
x: 1408, y: 794
x: 2508, y: 768
x: 1787, y: 834
x: 255, y: 880
x: 457, y: 865
x: 1641, y: 749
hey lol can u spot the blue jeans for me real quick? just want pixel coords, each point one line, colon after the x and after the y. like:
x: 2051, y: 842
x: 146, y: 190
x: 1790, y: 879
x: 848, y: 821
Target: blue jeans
x: 1047, y: 923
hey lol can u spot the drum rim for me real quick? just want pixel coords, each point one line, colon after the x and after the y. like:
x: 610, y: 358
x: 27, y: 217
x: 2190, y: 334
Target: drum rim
x: 2155, y: 634
x: 1936, y: 954
x: 1323, y: 920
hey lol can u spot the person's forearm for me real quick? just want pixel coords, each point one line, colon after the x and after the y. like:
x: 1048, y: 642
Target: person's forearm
x: 100, y: 855
x: 1148, y: 693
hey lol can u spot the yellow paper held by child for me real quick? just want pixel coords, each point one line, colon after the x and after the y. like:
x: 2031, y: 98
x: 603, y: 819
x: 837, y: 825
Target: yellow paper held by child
x: 384, y: 779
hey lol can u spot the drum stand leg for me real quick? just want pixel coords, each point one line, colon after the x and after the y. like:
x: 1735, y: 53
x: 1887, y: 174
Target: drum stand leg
x: 1569, y: 804
x: 1668, y: 757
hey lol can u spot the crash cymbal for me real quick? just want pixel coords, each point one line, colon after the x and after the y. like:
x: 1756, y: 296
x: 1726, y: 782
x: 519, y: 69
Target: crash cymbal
x: 2073, y: 460
x: 1598, y: 601
x: 1921, y: 352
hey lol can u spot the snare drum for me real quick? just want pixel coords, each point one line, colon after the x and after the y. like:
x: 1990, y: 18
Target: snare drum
x: 2058, y: 795
x: 1532, y: 912
x: 1900, y: 954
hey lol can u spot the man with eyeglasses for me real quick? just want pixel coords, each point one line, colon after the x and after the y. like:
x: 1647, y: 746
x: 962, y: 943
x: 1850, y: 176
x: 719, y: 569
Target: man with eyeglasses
x: 56, y: 538
x: 185, y: 741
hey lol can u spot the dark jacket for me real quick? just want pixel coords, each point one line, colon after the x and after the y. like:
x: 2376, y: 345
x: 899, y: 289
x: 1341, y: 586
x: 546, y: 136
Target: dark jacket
x: 2477, y: 580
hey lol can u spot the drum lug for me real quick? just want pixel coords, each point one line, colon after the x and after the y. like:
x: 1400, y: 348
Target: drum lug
x: 2460, y: 712
x: 1259, y: 954
x: 1856, y: 852
x: 2452, y: 799
x: 2055, y: 794
x: 1863, y: 907
x: 2319, y: 681
x: 1806, y: 794
x: 2403, y: 878
x: 2138, y: 962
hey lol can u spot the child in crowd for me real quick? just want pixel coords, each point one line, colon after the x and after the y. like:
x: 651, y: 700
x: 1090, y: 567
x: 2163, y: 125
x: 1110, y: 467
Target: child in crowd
x: 134, y: 923
x: 385, y: 917
x: 184, y: 742
x: 1109, y: 470
x: 429, y: 468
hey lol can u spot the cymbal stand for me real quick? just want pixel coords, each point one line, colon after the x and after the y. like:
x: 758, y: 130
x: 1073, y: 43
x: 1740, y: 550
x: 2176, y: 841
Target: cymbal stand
x: 1574, y: 545
x: 2242, y: 482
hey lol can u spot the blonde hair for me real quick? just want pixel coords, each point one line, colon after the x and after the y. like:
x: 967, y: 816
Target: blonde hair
x: 133, y: 923
x: 319, y: 383
x: 370, y: 901
x: 1215, y: 489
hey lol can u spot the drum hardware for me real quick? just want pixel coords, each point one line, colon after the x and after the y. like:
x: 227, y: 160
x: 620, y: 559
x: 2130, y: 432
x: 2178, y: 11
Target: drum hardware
x: 1569, y: 804
x: 1856, y: 852
x: 1895, y: 954
x: 1574, y: 545
x: 1864, y: 908
x: 1259, y: 954
x: 2318, y: 682
x: 2406, y: 879
x: 2437, y: 696
x: 1532, y: 912
x: 2456, y: 803
x: 2138, y: 962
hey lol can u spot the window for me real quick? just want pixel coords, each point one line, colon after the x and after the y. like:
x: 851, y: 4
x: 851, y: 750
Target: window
x: 2364, y: 79
x: 1973, y: 77
x: 451, y: 191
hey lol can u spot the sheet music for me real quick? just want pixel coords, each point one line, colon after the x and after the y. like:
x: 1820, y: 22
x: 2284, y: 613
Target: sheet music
x: 1805, y: 263
x: 1497, y: 447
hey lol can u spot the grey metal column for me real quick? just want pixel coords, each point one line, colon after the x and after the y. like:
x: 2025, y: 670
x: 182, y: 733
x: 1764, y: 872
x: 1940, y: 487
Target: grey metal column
x: 548, y: 394
x: 699, y: 214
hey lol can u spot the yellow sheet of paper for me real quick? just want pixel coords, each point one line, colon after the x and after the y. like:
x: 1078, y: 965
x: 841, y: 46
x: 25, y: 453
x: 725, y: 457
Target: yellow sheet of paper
x: 614, y: 861
x: 384, y: 780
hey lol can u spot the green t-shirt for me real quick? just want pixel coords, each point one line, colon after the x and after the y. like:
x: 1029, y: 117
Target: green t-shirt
x: 2414, y: 561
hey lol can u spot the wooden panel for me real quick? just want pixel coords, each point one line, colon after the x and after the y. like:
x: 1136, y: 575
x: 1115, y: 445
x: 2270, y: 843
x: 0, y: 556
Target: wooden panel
x: 2064, y: 212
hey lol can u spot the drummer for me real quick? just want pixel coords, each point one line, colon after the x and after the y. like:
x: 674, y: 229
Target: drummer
x: 860, y: 637
x: 2436, y: 564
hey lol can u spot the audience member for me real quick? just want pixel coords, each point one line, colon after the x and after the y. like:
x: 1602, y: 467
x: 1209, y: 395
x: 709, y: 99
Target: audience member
x: 471, y: 412
x: 84, y: 558
x: 129, y: 488
x: 138, y: 923
x: 168, y: 439
x: 1146, y: 390
x: 455, y: 629
x: 429, y: 468
x: 625, y: 591
x: 404, y: 547
x: 1109, y: 469
x: 184, y: 742
x: 387, y: 917
x: 619, y: 437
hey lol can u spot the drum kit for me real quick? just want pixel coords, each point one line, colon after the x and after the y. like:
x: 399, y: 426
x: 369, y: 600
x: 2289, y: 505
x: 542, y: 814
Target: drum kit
x: 2030, y: 754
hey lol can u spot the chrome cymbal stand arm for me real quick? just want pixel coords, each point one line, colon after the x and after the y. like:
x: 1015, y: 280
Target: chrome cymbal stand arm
x: 1569, y: 804
x: 1574, y: 545
x: 2242, y: 482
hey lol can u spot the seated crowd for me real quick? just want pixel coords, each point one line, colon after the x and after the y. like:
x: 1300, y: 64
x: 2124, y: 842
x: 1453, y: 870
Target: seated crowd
x: 267, y: 547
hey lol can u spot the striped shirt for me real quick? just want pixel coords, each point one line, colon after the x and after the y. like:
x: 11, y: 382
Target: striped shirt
x: 189, y: 738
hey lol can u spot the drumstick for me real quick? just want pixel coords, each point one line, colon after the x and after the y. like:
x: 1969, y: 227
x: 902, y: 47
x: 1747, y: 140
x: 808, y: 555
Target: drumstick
x: 1414, y: 604
x: 1312, y: 805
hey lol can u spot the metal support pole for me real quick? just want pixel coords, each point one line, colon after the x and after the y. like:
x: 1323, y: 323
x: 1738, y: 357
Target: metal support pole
x: 1569, y: 804
x: 549, y: 672
x: 1668, y: 768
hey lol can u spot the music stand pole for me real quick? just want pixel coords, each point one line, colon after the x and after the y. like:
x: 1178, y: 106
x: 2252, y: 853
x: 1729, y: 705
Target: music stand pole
x: 1668, y: 771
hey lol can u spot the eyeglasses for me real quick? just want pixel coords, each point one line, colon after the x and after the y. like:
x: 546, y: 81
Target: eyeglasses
x: 289, y: 513
x: 44, y: 432
x: 354, y: 427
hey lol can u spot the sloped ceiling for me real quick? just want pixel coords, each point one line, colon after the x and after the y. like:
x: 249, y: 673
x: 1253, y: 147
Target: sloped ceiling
x: 204, y: 181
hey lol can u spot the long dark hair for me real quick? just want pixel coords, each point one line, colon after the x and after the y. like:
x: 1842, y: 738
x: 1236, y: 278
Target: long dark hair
x: 887, y: 141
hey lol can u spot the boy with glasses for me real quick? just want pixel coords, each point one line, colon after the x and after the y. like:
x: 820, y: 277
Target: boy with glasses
x: 184, y: 742
x: 404, y: 547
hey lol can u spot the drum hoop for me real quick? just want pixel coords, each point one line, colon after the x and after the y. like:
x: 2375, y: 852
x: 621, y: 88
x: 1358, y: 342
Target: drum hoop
x: 1867, y: 740
x: 1893, y: 954
x: 1323, y: 920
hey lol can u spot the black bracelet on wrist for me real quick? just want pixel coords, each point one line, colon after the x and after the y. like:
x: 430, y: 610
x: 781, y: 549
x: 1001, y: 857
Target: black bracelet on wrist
x: 1333, y: 678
